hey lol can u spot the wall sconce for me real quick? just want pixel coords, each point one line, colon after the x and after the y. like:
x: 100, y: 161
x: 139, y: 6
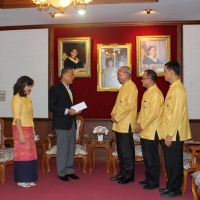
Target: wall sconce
x: 52, y: 14
x: 148, y: 11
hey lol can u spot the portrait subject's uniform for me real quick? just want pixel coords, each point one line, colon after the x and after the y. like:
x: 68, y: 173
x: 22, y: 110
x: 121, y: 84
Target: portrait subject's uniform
x: 176, y: 124
x: 73, y: 63
x: 149, y: 61
x: 109, y: 77
x: 125, y: 113
x: 150, y: 121
x: 65, y: 127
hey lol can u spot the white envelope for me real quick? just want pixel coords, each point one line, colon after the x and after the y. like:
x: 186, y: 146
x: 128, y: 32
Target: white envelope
x: 79, y: 106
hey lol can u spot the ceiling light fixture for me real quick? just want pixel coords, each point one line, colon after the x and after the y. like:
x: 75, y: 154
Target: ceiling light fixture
x: 60, y: 4
x: 148, y: 11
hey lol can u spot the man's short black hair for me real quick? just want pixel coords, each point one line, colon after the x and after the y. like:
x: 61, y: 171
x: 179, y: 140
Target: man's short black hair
x: 175, y: 66
x: 151, y: 74
x: 65, y: 70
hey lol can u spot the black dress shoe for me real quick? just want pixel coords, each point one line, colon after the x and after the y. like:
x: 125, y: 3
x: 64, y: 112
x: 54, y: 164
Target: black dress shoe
x: 143, y: 182
x: 63, y: 178
x: 151, y: 186
x: 169, y: 194
x: 117, y: 178
x: 73, y: 176
x: 161, y: 190
x: 125, y: 181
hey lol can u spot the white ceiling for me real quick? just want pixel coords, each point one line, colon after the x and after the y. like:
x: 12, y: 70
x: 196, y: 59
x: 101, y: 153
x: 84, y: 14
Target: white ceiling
x: 164, y: 10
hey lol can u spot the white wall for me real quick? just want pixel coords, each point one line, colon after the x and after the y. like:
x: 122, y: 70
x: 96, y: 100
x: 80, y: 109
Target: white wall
x: 191, y: 68
x: 24, y: 52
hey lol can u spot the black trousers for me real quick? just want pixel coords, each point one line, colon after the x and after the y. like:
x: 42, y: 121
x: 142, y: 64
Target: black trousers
x: 173, y: 157
x: 151, y: 159
x: 126, y: 153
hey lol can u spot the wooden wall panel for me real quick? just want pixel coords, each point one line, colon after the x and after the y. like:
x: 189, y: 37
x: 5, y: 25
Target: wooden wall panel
x: 43, y: 128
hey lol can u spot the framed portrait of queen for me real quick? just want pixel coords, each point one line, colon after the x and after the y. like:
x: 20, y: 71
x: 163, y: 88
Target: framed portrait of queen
x: 75, y: 53
x: 152, y: 53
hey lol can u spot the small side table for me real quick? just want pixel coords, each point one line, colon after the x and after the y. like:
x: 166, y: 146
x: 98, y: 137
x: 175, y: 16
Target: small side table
x: 99, y: 144
x: 42, y: 144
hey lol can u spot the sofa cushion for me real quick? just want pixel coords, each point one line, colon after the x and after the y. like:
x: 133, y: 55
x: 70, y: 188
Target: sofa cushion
x: 79, y: 150
x: 196, y: 177
x: 6, y: 154
x: 138, y: 151
x: 78, y: 125
x: 136, y: 137
x: 187, y: 156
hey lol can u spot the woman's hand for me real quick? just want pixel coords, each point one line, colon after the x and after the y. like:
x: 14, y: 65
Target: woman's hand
x: 34, y: 131
x: 22, y: 138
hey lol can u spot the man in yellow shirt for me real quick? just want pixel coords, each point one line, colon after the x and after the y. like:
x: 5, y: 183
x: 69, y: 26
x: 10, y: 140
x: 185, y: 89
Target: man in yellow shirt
x: 124, y: 116
x: 148, y: 123
x: 176, y: 130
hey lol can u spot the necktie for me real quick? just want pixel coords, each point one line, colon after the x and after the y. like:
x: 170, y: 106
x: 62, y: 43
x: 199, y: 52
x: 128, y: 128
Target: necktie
x: 70, y: 94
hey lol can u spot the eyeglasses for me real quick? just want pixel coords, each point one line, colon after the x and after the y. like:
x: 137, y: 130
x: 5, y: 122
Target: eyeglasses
x: 121, y: 73
x: 144, y: 78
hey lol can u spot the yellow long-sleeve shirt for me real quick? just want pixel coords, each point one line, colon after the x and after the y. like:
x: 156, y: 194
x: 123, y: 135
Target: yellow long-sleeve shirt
x: 22, y: 109
x: 175, y: 114
x: 125, y: 108
x: 150, y: 114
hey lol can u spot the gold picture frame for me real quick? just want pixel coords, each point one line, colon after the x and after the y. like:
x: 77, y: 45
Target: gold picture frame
x: 152, y: 53
x: 83, y: 46
x: 109, y: 58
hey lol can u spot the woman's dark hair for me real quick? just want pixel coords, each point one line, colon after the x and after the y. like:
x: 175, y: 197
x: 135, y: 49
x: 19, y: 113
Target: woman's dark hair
x: 150, y: 47
x: 20, y: 84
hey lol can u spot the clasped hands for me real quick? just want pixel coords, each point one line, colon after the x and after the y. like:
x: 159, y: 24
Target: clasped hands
x: 137, y: 128
x: 73, y: 112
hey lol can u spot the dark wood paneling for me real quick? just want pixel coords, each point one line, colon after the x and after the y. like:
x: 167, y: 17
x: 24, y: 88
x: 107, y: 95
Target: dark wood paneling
x: 179, y: 46
x: 43, y: 127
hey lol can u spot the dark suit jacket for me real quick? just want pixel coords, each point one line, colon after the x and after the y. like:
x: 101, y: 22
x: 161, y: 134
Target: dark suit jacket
x: 59, y: 100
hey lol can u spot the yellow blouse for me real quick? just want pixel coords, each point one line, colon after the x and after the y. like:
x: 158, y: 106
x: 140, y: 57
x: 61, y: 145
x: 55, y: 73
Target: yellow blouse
x: 22, y: 109
x: 175, y: 115
x: 151, y: 112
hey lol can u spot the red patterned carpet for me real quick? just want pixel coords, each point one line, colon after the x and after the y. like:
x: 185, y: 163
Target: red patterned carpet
x: 96, y: 186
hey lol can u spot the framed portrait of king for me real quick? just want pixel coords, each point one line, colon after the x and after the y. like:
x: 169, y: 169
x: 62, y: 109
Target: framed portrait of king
x: 152, y: 53
x: 75, y: 53
x: 110, y: 57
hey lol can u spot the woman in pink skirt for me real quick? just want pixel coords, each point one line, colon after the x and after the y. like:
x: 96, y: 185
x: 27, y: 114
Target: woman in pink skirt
x: 25, y: 155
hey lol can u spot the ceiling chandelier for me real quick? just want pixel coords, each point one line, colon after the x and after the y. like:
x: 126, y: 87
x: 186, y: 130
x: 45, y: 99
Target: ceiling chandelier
x: 61, y: 4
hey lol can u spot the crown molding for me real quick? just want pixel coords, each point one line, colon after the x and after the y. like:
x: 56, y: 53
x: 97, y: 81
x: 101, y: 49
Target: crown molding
x: 7, y: 4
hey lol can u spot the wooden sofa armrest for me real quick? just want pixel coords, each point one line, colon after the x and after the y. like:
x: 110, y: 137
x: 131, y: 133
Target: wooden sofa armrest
x: 194, y: 150
x: 8, y: 138
x: 190, y: 143
x: 137, y: 143
x: 115, y: 143
x: 49, y: 137
x: 85, y: 138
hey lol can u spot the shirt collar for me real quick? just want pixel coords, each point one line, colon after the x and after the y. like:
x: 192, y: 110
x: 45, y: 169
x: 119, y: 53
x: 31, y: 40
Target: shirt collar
x: 175, y: 83
x: 67, y: 86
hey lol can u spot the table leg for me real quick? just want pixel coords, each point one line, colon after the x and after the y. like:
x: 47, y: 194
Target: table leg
x: 93, y: 158
x: 108, y: 159
x: 90, y: 156
x: 43, y: 156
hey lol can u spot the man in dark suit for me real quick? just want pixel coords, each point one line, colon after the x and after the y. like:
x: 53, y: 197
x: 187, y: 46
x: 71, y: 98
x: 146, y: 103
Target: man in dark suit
x: 61, y: 99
